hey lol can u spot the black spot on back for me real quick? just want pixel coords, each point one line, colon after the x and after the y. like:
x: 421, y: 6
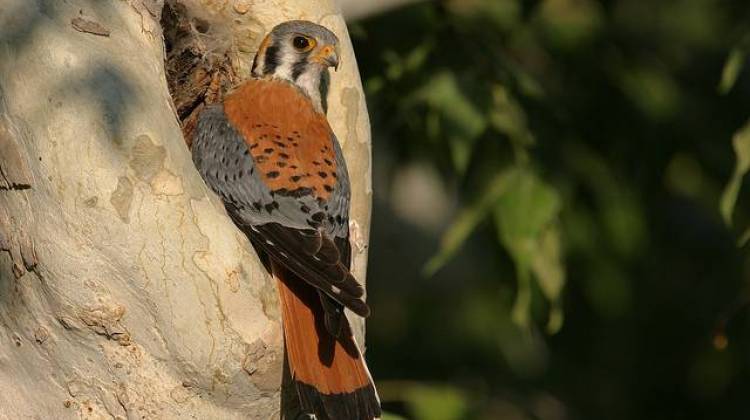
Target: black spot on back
x: 270, y: 207
x: 299, y: 192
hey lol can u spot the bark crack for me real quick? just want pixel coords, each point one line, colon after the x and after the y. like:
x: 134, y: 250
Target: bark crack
x: 14, y: 168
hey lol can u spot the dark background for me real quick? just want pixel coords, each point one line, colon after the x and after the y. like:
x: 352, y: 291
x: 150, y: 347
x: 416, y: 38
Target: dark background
x: 553, y: 235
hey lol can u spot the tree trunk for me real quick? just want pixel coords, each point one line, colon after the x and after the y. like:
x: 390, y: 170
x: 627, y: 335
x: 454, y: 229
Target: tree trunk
x: 125, y: 291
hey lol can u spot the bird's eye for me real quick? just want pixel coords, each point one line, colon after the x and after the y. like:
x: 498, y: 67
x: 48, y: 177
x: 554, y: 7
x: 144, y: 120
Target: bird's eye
x: 302, y: 43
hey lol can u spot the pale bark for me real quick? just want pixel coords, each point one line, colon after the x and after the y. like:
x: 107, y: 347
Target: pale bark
x: 125, y: 291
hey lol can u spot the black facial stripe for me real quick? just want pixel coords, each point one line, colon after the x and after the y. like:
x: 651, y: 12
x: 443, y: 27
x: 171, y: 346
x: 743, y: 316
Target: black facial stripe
x: 272, y: 60
x: 325, y: 82
x: 299, y: 67
x: 255, y: 65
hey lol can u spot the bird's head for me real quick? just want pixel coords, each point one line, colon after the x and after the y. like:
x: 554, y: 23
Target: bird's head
x: 300, y: 52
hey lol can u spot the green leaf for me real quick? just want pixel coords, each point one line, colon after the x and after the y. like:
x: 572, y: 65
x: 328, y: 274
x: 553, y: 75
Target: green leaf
x: 523, y: 212
x: 437, y: 403
x: 651, y: 89
x: 526, y: 217
x: 549, y: 272
x: 744, y: 238
x: 391, y: 416
x: 741, y: 144
x: 732, y: 68
x: 426, y: 401
x: 733, y: 65
x: 417, y: 57
x: 556, y: 318
x: 466, y: 221
x: 570, y: 23
x: 397, y: 66
x: 546, y: 264
x: 463, y: 121
x: 521, y: 312
x: 508, y: 117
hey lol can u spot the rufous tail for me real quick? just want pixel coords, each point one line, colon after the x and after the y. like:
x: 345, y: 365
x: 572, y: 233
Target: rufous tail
x: 330, y: 374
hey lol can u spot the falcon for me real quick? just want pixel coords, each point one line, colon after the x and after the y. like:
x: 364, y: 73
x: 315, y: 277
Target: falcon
x: 268, y: 151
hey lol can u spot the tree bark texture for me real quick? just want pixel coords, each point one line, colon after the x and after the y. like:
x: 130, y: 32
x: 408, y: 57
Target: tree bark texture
x: 125, y: 291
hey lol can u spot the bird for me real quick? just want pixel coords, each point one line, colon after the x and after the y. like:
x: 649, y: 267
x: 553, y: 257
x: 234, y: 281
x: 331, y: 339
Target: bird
x: 268, y: 151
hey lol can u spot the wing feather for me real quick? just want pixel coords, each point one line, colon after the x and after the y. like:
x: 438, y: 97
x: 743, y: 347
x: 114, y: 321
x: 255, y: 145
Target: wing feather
x: 305, y: 232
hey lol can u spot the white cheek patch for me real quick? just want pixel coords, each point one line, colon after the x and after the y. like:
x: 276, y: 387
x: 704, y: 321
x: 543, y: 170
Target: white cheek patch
x: 286, y: 60
x: 309, y: 81
x: 284, y: 71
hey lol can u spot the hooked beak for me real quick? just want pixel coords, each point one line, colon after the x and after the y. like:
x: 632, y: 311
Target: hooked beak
x: 328, y: 56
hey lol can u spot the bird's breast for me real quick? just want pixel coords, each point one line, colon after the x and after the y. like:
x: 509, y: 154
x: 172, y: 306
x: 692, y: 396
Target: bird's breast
x: 290, y: 142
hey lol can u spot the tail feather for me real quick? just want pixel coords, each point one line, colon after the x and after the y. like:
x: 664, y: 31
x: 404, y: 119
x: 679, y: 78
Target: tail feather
x: 334, y: 314
x: 329, y: 372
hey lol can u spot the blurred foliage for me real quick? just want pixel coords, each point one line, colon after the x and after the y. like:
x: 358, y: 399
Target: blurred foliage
x: 590, y: 158
x: 427, y: 401
x: 741, y: 143
x: 733, y: 66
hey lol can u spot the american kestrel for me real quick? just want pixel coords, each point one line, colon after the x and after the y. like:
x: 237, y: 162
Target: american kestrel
x: 270, y: 154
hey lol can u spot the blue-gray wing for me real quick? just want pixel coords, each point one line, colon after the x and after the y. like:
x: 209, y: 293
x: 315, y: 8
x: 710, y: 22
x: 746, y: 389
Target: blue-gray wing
x: 314, y: 243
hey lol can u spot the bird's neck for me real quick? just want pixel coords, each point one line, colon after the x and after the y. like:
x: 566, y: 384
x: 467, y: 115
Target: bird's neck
x: 313, y: 81
x: 310, y: 82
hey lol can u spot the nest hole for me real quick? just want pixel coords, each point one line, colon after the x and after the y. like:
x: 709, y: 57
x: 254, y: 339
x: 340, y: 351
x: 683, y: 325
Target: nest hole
x: 196, y: 77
